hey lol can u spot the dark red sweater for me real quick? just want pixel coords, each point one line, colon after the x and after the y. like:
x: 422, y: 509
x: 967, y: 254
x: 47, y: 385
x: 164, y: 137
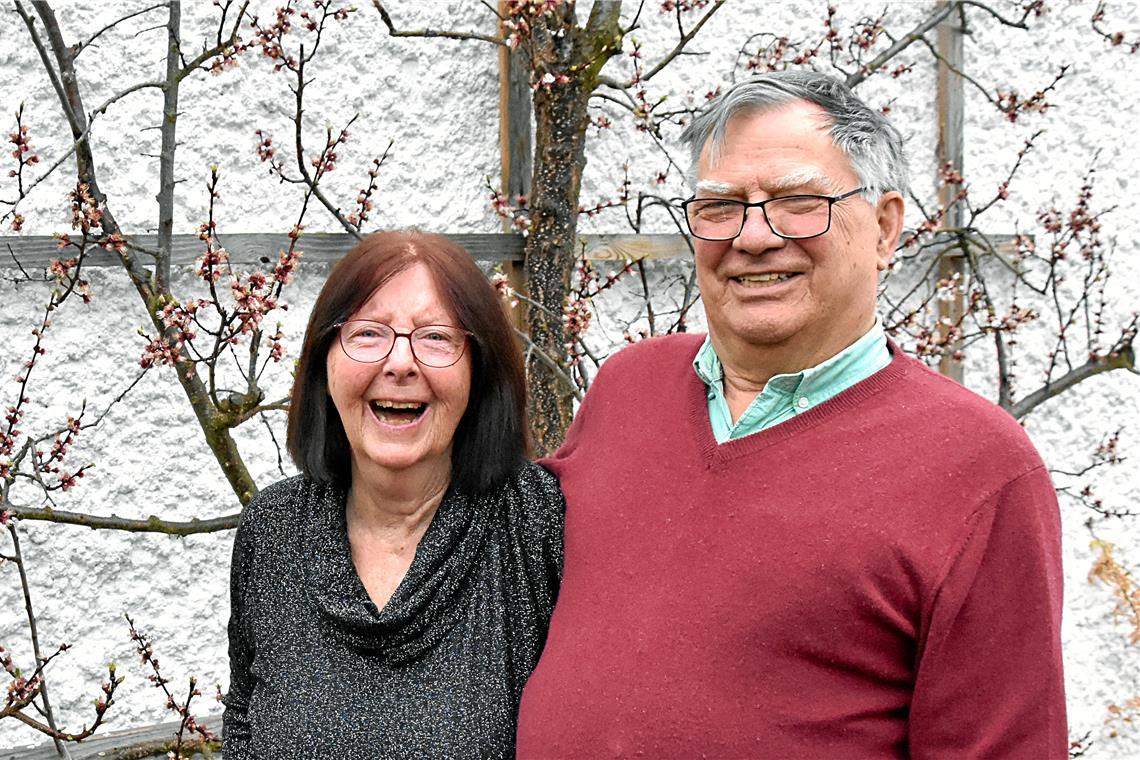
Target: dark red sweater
x: 878, y: 577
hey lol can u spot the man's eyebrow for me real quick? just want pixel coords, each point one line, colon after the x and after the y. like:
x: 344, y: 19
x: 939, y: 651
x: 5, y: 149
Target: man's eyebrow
x: 799, y: 179
x: 712, y: 186
x: 803, y: 178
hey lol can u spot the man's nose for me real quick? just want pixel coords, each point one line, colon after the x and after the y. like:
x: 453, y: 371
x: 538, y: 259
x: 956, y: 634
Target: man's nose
x: 756, y: 236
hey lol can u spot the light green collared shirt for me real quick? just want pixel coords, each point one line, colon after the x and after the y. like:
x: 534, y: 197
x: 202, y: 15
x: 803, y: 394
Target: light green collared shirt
x: 785, y: 396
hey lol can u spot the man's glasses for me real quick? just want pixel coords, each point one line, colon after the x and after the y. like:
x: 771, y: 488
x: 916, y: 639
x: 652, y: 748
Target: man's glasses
x: 793, y: 217
x: 432, y: 345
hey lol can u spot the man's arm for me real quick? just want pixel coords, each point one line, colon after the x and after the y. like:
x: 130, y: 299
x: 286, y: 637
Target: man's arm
x: 989, y: 676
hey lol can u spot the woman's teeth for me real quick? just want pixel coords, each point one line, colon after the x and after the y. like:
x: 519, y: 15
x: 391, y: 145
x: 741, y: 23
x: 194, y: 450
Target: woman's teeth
x: 397, y: 412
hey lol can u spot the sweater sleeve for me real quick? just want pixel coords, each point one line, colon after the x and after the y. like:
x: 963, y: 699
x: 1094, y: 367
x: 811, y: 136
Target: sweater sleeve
x: 989, y: 673
x: 235, y: 719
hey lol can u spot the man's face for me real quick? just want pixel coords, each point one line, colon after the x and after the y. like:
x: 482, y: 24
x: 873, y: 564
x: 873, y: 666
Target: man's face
x: 806, y: 299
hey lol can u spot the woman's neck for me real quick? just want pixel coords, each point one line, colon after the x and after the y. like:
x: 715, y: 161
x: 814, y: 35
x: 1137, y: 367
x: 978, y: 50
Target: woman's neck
x: 398, y: 505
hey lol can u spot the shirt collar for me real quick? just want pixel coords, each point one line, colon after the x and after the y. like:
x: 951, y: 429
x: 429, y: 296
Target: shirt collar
x: 833, y: 371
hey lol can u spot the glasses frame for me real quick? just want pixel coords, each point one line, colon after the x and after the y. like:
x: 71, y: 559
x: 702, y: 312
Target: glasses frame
x: 396, y: 336
x: 745, y: 205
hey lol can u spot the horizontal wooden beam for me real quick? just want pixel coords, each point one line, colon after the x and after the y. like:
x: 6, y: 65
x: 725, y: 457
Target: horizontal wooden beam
x: 244, y: 248
x: 37, y: 251
x: 105, y: 744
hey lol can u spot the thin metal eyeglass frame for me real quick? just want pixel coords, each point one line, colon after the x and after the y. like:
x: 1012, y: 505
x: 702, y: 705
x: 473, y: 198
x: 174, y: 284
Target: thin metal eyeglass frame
x: 396, y: 335
x: 831, y: 201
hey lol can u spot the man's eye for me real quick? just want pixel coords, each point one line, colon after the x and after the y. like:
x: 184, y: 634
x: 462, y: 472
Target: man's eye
x: 717, y: 208
x: 801, y: 204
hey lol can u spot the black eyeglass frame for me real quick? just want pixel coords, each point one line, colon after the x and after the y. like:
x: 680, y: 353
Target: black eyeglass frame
x: 396, y: 335
x: 831, y: 201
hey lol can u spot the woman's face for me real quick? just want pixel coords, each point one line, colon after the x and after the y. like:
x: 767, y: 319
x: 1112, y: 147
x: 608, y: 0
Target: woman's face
x: 398, y: 413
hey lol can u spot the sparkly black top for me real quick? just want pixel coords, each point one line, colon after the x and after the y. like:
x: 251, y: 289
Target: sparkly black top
x: 317, y: 671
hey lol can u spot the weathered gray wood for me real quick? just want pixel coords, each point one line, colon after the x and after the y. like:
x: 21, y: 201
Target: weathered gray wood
x: 951, y: 107
x: 633, y: 247
x: 516, y: 141
x: 108, y: 745
x: 36, y: 252
x: 244, y: 248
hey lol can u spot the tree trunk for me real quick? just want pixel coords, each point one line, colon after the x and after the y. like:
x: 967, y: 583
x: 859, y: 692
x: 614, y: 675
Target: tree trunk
x: 566, y: 61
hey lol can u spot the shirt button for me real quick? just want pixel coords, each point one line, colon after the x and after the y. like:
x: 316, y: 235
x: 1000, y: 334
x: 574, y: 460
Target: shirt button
x: 802, y: 403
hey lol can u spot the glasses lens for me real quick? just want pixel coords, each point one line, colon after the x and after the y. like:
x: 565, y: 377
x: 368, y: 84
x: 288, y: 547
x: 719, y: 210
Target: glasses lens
x: 438, y: 345
x: 799, y: 216
x: 714, y: 218
x: 366, y: 341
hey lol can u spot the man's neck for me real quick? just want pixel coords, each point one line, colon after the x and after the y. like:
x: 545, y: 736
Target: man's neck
x: 747, y: 368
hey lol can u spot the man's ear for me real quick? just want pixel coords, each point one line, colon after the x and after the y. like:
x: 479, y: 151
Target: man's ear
x: 889, y: 212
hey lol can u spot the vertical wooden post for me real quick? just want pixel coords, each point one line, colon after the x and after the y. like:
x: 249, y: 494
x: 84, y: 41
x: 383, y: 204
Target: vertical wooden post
x: 951, y: 264
x: 515, y: 141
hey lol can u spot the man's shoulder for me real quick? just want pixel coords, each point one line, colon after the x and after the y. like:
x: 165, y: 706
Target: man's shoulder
x: 656, y: 353
x: 951, y: 411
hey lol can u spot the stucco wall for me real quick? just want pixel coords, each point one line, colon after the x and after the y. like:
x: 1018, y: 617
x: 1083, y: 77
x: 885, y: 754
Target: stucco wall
x: 439, y: 101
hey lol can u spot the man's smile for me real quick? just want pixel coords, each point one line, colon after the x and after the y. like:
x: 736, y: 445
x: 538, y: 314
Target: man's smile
x: 769, y: 278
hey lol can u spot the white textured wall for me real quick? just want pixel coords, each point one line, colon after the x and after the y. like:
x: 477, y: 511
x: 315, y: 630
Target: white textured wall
x: 439, y: 101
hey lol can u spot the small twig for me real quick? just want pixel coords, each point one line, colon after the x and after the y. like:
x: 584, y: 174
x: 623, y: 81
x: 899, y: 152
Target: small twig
x: 83, y: 45
x: 902, y: 44
x: 552, y: 365
x: 445, y: 33
x: 33, y: 634
x: 681, y: 43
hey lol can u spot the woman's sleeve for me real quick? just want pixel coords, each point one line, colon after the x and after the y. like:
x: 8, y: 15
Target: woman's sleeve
x: 235, y: 719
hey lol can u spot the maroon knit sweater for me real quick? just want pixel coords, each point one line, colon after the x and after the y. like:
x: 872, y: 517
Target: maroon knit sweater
x: 877, y: 577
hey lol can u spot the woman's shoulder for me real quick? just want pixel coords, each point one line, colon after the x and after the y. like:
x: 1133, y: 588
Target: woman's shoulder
x: 276, y: 505
x: 532, y: 497
x: 539, y: 486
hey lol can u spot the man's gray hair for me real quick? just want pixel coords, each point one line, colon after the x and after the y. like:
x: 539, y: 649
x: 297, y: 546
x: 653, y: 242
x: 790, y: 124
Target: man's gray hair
x: 872, y: 145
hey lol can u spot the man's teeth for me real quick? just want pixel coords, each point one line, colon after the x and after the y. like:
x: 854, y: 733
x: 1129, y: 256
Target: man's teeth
x: 765, y: 277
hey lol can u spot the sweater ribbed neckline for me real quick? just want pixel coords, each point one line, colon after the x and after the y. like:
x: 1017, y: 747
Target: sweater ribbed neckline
x: 720, y: 453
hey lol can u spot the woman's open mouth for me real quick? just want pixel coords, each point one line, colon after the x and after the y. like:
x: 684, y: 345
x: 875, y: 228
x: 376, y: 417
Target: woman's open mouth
x: 397, y: 412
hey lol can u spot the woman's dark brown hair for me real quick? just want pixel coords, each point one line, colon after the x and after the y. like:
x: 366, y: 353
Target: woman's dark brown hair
x: 491, y: 440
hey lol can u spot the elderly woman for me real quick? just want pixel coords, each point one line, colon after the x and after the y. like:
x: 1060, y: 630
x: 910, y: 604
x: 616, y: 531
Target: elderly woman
x: 391, y: 600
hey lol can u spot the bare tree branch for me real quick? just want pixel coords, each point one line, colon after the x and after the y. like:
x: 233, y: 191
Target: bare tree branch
x: 444, y: 33
x: 551, y: 364
x: 902, y: 44
x: 79, y: 48
x: 151, y: 524
x: 669, y: 57
x: 218, y: 49
x: 683, y: 42
x: 1124, y: 359
x: 34, y: 635
x: 169, y: 138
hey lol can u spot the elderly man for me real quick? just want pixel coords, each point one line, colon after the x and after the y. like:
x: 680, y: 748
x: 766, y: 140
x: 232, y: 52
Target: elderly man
x: 788, y: 539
